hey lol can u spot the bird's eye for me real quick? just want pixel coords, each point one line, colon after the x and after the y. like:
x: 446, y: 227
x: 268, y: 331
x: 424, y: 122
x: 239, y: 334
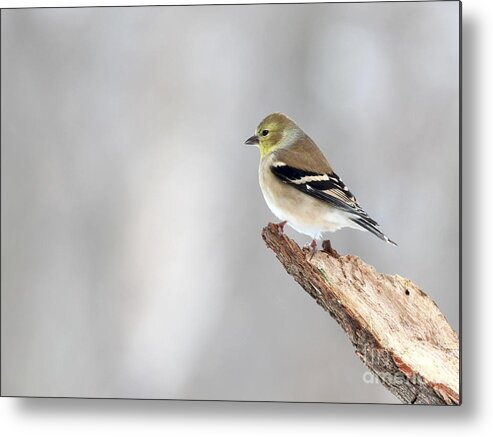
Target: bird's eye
x: 265, y: 132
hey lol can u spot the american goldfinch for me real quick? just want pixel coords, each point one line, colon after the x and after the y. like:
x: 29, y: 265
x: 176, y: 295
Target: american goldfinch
x: 299, y: 185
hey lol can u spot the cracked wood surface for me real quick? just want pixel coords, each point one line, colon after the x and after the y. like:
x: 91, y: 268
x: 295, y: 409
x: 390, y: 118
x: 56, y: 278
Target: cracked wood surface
x: 396, y: 329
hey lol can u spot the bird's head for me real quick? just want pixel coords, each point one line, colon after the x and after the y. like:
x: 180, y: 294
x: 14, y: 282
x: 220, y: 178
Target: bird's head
x: 274, y: 132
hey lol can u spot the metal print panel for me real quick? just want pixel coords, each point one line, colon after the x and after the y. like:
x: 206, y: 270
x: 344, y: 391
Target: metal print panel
x: 132, y: 212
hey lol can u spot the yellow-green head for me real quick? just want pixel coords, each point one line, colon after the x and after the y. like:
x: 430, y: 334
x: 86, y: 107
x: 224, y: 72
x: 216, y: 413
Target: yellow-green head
x: 274, y: 131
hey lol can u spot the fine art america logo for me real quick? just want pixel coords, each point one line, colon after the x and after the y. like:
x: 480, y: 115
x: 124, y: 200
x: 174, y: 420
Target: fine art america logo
x: 380, y: 362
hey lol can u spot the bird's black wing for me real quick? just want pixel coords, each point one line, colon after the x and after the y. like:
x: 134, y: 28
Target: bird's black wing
x: 325, y: 187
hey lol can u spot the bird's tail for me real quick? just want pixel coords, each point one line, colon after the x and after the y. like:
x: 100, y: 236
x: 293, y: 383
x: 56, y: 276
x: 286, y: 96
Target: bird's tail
x: 373, y: 229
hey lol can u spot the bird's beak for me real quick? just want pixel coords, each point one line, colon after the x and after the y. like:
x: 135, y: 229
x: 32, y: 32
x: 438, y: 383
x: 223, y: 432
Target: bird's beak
x: 252, y: 141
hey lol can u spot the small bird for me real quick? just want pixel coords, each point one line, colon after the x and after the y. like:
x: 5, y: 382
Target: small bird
x: 299, y: 185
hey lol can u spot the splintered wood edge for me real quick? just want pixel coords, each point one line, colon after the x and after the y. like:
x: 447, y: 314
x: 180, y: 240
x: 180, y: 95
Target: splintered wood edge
x: 396, y: 329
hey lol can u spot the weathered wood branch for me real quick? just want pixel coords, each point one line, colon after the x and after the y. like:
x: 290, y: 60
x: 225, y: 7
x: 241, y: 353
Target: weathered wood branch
x: 396, y: 329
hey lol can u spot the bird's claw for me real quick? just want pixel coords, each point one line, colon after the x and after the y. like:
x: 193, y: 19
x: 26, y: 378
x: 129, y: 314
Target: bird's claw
x: 327, y: 247
x: 280, y: 227
x: 312, y: 249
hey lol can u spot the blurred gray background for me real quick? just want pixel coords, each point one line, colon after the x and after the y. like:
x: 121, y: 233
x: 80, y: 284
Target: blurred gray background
x: 132, y: 262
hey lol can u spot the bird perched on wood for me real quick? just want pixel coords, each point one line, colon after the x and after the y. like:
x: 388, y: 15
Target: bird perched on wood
x: 299, y: 185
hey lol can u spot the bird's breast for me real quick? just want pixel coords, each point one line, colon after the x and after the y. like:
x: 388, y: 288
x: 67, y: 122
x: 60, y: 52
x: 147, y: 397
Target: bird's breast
x: 272, y: 190
x: 304, y: 213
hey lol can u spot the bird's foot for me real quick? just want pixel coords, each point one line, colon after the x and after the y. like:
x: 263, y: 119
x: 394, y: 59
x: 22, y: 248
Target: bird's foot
x: 327, y: 247
x: 312, y: 249
x: 280, y: 227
